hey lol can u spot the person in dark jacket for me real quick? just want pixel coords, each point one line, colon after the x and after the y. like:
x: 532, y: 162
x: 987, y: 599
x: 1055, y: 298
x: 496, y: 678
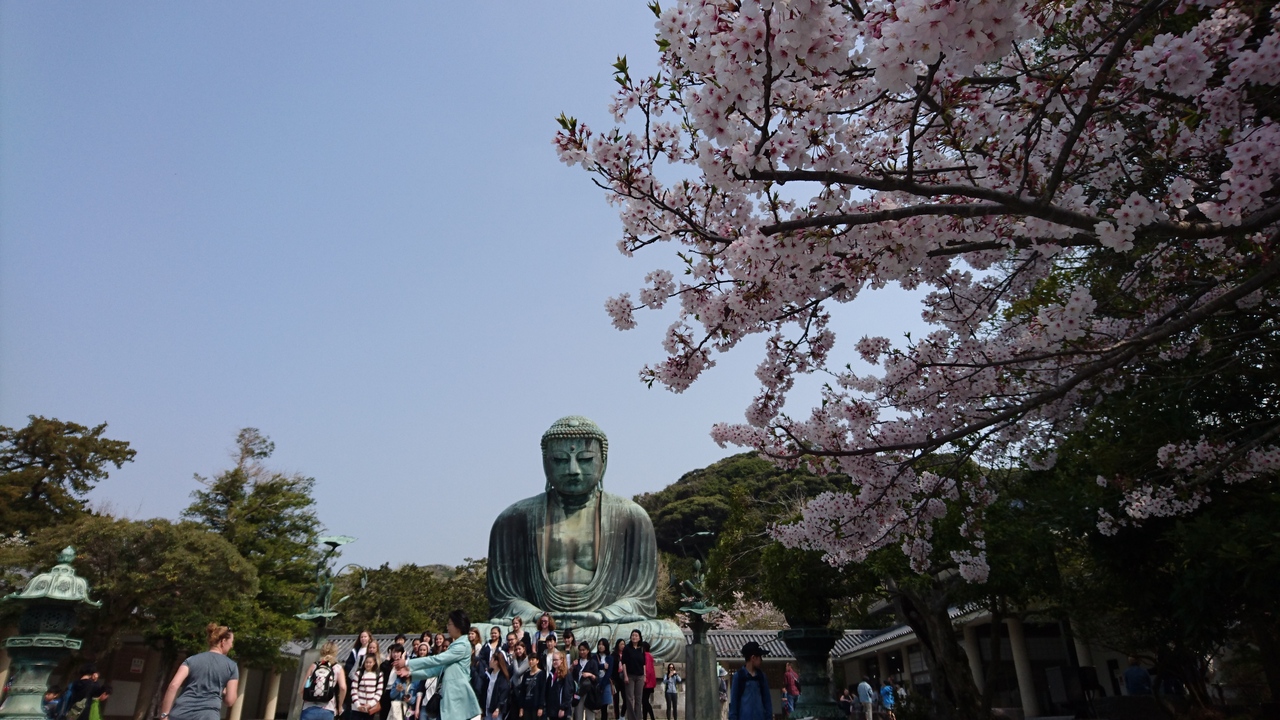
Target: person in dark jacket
x: 387, y: 667
x: 585, y: 674
x: 533, y: 691
x: 560, y: 691
x: 81, y: 693
x: 619, y: 685
x: 606, y: 664
x: 496, y: 688
x: 749, y: 697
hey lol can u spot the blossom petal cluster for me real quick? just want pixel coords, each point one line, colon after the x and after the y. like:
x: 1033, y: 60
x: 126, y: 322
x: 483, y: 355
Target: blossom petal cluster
x: 1075, y: 187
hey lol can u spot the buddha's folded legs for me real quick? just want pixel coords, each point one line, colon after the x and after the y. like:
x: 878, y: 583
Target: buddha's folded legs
x: 666, y: 639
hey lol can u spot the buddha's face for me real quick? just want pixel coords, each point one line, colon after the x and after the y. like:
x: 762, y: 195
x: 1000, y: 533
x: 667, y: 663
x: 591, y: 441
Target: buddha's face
x: 574, y: 466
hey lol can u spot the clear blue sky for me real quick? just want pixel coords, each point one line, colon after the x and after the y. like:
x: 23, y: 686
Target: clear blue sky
x: 343, y: 224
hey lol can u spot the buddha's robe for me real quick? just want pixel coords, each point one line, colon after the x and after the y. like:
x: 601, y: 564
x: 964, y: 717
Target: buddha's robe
x: 623, y: 587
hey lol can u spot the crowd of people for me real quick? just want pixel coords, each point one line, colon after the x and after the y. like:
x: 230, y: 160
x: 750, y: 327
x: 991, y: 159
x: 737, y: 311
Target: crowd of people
x: 460, y: 675
x: 864, y: 701
x: 82, y: 699
x: 519, y: 675
x: 749, y: 697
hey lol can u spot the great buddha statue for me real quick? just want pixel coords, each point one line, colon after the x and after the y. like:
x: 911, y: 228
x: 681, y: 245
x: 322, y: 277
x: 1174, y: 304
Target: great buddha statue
x: 587, y: 557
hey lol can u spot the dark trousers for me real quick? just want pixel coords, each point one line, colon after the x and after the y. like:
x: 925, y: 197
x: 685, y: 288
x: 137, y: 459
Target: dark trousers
x: 619, y: 699
x: 648, y: 705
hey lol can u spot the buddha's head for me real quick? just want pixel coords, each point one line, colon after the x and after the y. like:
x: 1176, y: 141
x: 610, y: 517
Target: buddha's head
x: 574, y: 454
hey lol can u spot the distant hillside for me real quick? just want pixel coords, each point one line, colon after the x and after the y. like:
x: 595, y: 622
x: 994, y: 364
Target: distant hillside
x: 700, y: 500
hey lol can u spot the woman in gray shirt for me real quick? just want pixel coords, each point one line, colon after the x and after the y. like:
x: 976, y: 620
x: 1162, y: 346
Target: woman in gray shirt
x: 204, y: 682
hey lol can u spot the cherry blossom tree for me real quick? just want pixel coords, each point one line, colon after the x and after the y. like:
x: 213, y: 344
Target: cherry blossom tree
x: 1078, y: 188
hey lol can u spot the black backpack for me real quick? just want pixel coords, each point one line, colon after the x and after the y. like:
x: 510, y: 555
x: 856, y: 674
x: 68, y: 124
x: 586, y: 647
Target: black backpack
x: 322, y: 686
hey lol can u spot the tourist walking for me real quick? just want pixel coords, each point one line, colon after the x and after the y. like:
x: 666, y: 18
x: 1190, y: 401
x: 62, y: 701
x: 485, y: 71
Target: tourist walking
x: 1137, y: 681
x: 205, y: 681
x: 887, y: 700
x: 650, y: 682
x: 633, y: 675
x: 722, y: 688
x: 325, y: 689
x: 749, y: 697
x: 453, y: 667
x: 866, y: 697
x: 790, y: 690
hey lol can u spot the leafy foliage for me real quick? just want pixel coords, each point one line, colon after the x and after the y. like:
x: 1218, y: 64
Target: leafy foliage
x: 703, y: 500
x: 1079, y: 190
x: 411, y: 598
x: 48, y: 468
x: 159, y: 579
x: 269, y: 518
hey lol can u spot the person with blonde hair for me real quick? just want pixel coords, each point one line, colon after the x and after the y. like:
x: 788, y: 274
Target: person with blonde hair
x: 559, y: 689
x: 205, y: 681
x: 326, y: 686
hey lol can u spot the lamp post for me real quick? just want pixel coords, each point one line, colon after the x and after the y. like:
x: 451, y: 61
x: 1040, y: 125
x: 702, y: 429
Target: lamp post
x: 50, y: 603
x: 702, y: 701
x: 323, y: 609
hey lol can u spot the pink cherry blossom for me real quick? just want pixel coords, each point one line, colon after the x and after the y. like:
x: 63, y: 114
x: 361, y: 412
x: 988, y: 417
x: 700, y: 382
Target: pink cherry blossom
x: 995, y: 155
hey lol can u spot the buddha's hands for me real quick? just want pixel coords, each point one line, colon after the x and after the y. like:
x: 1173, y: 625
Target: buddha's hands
x: 586, y: 618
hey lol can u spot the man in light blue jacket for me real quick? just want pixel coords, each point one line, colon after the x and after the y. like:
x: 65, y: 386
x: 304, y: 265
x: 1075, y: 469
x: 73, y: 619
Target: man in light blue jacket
x: 457, y: 699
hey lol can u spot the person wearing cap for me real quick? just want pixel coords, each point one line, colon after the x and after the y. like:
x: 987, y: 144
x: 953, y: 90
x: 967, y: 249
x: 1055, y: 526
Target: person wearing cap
x: 722, y: 687
x: 749, y: 697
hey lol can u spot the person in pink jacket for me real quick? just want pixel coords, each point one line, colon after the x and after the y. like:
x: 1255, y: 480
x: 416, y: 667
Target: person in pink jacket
x: 650, y: 682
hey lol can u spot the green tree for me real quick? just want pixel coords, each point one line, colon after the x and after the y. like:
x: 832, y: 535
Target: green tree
x: 411, y: 598
x: 47, y: 470
x: 269, y: 518
x: 1179, y: 589
x: 162, y: 580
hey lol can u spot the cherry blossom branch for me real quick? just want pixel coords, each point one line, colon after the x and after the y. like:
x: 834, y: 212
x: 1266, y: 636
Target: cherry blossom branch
x: 1095, y: 89
x: 1116, y: 356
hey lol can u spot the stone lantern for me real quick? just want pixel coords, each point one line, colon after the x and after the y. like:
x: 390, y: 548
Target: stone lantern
x: 49, y: 602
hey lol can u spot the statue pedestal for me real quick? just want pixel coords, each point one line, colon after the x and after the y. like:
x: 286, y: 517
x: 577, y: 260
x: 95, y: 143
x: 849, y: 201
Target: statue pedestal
x: 702, y: 687
x: 812, y: 649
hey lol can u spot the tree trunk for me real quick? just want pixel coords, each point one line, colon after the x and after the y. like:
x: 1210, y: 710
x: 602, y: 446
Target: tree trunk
x: 955, y: 696
x: 168, y: 666
x: 1266, y: 635
x: 993, y: 671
